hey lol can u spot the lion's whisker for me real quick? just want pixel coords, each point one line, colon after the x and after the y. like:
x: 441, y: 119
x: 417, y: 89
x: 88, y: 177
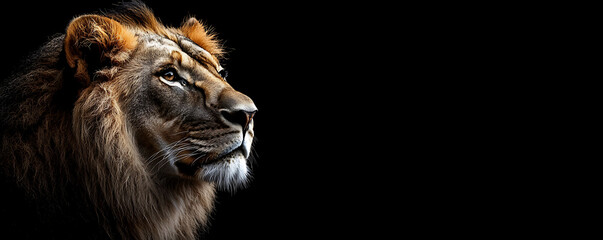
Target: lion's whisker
x: 165, y: 151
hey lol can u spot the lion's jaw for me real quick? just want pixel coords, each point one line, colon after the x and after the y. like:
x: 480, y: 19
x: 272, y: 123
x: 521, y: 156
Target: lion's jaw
x: 230, y: 170
x: 200, y: 155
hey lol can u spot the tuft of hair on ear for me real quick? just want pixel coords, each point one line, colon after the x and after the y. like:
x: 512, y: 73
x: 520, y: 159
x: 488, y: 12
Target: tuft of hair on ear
x: 94, y: 41
x: 195, y: 31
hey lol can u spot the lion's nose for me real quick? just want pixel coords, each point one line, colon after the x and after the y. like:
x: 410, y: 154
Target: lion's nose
x: 240, y: 117
x: 237, y: 108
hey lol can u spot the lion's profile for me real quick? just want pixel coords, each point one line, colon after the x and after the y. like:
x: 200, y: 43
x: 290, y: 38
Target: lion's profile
x: 121, y: 128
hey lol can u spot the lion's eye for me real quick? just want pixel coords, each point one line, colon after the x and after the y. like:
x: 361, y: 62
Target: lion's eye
x: 171, y: 78
x: 169, y: 75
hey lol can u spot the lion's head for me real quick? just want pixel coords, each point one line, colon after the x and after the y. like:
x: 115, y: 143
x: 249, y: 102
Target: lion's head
x: 125, y: 126
x: 186, y: 120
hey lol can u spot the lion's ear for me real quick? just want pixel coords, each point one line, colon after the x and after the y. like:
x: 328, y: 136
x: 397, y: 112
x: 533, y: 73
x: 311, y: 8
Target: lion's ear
x: 93, y: 42
x: 195, y: 31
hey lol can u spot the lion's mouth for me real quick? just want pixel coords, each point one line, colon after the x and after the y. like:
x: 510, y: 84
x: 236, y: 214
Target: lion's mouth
x: 197, y: 160
x: 227, y: 169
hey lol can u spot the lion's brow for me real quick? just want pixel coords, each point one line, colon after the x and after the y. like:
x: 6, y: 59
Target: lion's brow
x: 196, y: 51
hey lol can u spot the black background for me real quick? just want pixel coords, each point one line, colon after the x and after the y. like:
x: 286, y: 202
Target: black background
x: 375, y: 121
x: 309, y: 67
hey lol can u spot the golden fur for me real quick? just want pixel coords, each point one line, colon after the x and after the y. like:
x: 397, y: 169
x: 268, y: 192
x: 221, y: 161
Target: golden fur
x: 66, y: 141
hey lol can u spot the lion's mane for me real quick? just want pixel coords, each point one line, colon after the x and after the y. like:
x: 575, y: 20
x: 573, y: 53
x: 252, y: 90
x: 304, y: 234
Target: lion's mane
x: 70, y: 168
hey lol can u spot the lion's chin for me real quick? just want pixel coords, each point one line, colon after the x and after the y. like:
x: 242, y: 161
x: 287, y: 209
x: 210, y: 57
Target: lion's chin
x: 229, y: 173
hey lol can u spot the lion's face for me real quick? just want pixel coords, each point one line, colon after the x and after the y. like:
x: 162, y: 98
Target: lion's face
x: 186, y: 120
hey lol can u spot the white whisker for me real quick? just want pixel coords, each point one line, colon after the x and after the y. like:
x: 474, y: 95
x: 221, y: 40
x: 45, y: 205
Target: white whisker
x: 166, y: 151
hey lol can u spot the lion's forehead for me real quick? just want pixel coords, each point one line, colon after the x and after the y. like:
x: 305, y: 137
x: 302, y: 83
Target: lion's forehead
x: 158, y: 42
x: 192, y: 51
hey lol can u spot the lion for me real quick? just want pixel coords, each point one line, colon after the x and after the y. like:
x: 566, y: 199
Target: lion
x: 121, y: 128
